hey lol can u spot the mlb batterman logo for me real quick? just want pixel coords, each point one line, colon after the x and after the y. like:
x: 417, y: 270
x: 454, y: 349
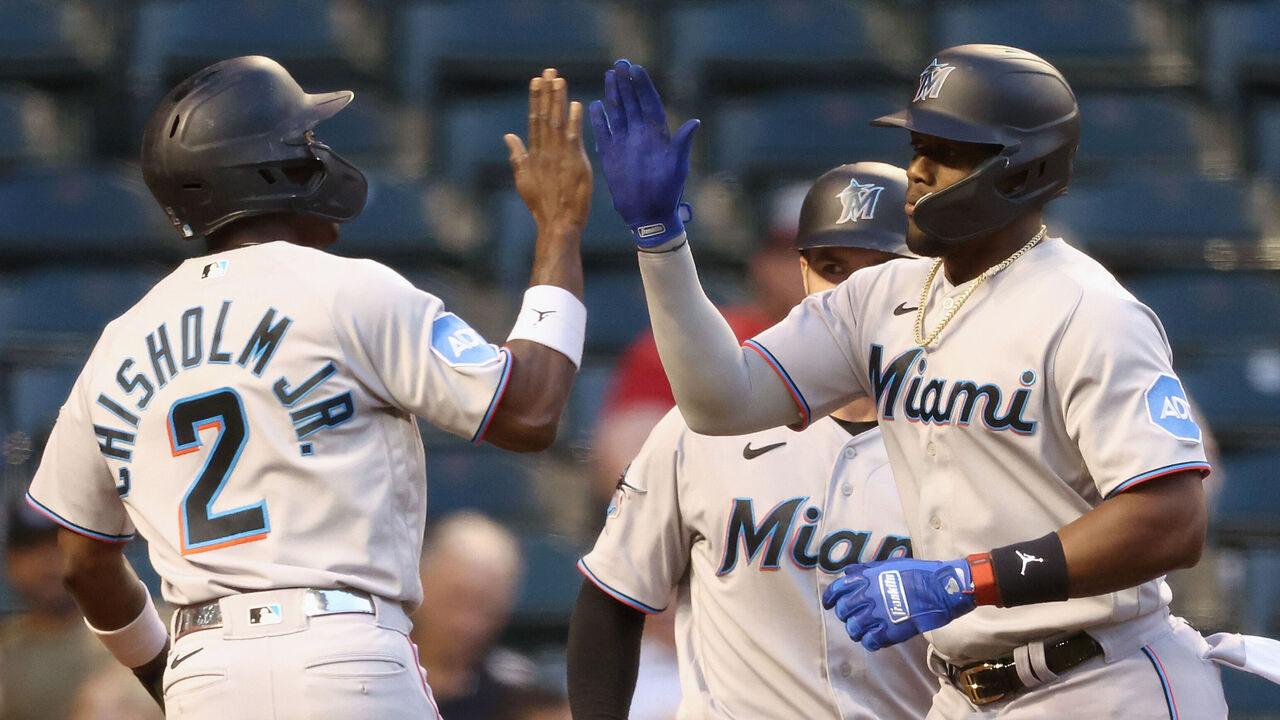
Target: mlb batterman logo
x: 932, y: 79
x: 858, y: 202
x: 895, y: 600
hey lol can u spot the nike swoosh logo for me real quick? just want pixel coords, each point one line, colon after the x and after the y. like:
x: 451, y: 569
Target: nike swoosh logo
x: 902, y: 309
x: 751, y: 453
x: 183, y: 658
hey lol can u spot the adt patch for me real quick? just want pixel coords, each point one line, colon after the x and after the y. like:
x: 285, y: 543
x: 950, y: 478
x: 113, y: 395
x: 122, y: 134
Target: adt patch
x: 1168, y: 408
x: 458, y: 345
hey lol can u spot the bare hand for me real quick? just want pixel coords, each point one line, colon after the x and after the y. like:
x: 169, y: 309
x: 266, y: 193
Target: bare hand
x: 553, y: 174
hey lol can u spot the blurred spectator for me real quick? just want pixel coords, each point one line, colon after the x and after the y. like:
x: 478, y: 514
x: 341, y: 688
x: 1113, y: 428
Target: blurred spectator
x: 48, y: 650
x: 471, y: 573
x: 640, y: 394
x: 113, y: 693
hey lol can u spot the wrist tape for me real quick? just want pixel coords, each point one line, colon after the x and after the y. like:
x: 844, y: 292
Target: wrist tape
x: 1024, y: 573
x: 554, y: 317
x: 140, y: 641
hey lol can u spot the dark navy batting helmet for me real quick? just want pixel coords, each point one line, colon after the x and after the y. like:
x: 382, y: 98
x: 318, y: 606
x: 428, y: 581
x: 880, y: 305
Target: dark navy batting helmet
x: 1000, y: 96
x: 856, y: 205
x: 236, y: 140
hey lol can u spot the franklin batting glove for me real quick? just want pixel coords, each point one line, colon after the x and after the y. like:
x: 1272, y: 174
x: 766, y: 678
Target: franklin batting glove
x: 644, y: 166
x: 884, y: 603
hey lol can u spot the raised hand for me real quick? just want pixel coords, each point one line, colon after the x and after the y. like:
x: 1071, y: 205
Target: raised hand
x: 884, y: 603
x: 553, y: 175
x: 644, y: 166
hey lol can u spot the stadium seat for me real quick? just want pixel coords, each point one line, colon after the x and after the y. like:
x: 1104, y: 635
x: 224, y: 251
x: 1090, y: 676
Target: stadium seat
x: 616, y: 309
x: 36, y: 393
x: 590, y: 390
x: 55, y: 42
x: 468, y: 148
x: 1241, y: 47
x: 1207, y: 313
x: 802, y: 134
x: 551, y: 578
x: 1251, y: 697
x: 1093, y: 42
x: 718, y: 48
x: 1246, y: 518
x: 605, y: 236
x: 1161, y: 220
x: 31, y: 130
x: 450, y: 45
x: 395, y: 222
x: 1238, y: 395
x: 323, y: 44
x: 84, y: 214
x: 483, y: 478
x: 1265, y: 151
x: 1129, y: 131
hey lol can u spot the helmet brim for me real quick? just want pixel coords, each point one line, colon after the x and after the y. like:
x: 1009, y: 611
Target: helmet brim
x: 941, y: 125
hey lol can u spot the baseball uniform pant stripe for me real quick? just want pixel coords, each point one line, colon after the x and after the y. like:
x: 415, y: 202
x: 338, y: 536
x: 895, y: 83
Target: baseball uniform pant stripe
x: 422, y: 673
x: 1161, y: 472
x: 77, y: 529
x: 1164, y: 681
x: 497, y: 398
x: 624, y: 599
x: 786, y: 379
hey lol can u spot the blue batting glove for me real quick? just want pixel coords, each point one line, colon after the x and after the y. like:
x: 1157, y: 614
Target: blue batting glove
x: 644, y: 166
x: 884, y: 603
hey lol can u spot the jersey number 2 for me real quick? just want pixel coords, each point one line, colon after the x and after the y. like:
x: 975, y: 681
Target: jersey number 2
x: 202, y: 528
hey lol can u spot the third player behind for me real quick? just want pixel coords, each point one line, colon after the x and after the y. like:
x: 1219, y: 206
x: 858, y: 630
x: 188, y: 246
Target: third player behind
x: 749, y: 530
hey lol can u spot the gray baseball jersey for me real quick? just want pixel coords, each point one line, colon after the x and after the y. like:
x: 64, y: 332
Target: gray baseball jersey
x: 1050, y: 391
x: 749, y: 531
x: 253, y: 417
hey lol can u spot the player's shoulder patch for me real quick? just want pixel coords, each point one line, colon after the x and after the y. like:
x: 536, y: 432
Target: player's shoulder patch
x: 1169, y: 410
x: 455, y: 342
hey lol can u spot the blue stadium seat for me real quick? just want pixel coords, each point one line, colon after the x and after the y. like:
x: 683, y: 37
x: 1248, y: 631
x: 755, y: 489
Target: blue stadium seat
x: 1241, y: 47
x: 1248, y: 508
x: 1251, y: 697
x: 55, y: 41
x: 1266, y: 139
x: 1128, y: 131
x: 802, y: 134
x: 551, y: 578
x: 468, y: 145
x: 604, y: 237
x: 1207, y: 312
x: 455, y: 43
x: 1164, y: 220
x: 30, y: 127
x: 482, y: 478
x: 616, y: 309
x: 590, y: 390
x: 324, y: 49
x: 1246, y: 518
x: 84, y: 214
x: 36, y: 393
x: 1238, y: 395
x: 719, y: 47
x: 1093, y: 42
x: 395, y: 222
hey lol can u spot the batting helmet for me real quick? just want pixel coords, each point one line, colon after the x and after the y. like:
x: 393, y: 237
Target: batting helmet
x: 235, y: 140
x: 856, y: 205
x: 996, y: 95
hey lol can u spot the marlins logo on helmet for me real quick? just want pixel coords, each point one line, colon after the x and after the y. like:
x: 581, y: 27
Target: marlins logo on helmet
x: 858, y: 202
x: 932, y: 79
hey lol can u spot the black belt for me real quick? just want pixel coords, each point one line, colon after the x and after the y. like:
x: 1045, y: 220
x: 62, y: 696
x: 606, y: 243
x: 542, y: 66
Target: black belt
x: 989, y: 681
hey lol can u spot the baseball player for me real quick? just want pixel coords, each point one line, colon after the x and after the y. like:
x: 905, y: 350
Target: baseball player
x: 253, y: 415
x: 749, y: 531
x: 1048, y: 464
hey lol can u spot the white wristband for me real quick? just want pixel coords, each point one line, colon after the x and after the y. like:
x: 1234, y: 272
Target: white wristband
x: 554, y: 317
x: 138, y: 642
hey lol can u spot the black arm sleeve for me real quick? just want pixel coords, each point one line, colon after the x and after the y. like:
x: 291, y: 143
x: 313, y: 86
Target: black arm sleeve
x: 603, y: 655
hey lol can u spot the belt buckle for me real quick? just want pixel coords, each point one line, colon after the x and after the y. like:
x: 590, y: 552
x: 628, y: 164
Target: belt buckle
x: 970, y: 682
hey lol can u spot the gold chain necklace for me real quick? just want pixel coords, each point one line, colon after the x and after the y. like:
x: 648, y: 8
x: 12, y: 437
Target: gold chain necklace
x: 951, y: 311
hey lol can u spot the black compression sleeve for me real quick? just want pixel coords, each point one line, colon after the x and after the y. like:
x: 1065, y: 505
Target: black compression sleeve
x: 603, y: 655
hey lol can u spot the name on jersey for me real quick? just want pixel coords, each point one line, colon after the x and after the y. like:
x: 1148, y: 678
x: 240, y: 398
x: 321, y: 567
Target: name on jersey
x: 901, y: 387
x: 194, y: 342
x: 787, y: 530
